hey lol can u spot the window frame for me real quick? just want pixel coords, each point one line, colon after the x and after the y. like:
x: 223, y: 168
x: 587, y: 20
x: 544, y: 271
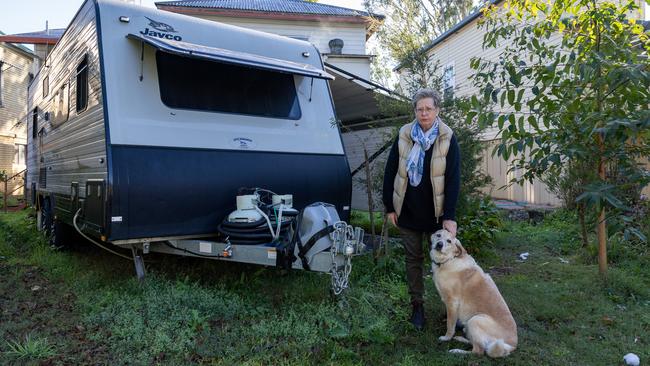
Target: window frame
x: 449, y: 85
x: 46, y: 86
x: 35, y: 123
x: 83, y: 71
x: 18, y: 154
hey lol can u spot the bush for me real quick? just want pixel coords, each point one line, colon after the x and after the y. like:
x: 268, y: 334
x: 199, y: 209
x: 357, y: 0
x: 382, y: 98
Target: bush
x: 478, y: 225
x: 362, y: 220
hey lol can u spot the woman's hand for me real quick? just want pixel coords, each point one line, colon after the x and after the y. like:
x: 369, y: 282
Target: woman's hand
x: 451, y: 226
x: 392, y: 218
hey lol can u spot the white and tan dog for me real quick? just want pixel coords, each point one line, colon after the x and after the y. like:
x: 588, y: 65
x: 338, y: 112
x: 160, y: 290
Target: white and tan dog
x: 471, y: 298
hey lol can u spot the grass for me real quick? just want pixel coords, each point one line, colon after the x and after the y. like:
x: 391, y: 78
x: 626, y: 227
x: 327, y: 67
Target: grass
x: 191, y: 311
x: 30, y: 348
x: 12, y: 201
x: 362, y: 219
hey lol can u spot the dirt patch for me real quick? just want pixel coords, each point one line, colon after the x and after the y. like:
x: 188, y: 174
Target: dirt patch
x: 500, y: 271
x: 32, y: 305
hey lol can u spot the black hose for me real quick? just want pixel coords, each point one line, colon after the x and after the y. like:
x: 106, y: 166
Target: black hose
x: 253, y: 235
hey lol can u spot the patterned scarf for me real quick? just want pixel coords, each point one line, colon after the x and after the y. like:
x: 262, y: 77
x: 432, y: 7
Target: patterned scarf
x: 422, y: 141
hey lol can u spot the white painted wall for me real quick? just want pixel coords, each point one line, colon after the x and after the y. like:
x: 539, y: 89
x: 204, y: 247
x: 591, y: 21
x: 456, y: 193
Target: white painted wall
x: 357, y: 66
x: 318, y: 33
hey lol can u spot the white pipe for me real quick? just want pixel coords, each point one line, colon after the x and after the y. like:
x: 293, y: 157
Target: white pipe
x: 268, y: 221
x: 277, y: 232
x: 74, y: 222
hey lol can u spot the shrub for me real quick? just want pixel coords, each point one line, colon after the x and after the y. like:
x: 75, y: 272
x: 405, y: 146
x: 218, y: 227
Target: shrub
x: 478, y: 225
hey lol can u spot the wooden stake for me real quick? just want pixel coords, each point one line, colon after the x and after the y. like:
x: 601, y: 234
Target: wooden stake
x: 371, y: 210
x: 602, y: 224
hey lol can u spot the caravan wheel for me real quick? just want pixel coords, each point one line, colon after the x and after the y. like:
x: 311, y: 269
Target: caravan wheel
x: 46, y: 222
x: 63, y: 236
x: 57, y: 233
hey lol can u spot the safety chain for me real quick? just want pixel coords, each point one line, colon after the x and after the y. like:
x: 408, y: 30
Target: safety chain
x: 347, y: 241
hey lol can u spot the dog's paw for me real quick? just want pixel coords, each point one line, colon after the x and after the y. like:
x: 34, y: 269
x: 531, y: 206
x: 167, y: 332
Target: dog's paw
x: 444, y: 338
x: 459, y: 351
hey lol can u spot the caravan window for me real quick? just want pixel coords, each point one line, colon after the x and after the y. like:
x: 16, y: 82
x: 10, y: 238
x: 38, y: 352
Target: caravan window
x: 46, y: 86
x: 82, y: 85
x: 188, y: 83
x: 35, y: 123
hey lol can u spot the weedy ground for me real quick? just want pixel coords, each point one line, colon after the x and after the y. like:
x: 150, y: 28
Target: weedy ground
x: 86, y: 307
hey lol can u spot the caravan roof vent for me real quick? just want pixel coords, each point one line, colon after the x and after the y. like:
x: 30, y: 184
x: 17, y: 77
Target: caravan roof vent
x: 336, y: 45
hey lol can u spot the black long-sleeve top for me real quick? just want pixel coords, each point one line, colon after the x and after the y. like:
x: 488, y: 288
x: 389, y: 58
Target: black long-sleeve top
x: 418, y: 211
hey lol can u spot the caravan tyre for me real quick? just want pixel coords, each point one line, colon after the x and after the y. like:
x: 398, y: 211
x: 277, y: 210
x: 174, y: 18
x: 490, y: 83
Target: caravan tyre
x: 57, y: 233
x: 63, y: 236
x: 46, y: 222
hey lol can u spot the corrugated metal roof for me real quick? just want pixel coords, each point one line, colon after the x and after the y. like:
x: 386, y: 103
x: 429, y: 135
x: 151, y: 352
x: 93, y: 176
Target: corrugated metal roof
x: 50, y: 34
x: 271, y: 6
x: 20, y: 47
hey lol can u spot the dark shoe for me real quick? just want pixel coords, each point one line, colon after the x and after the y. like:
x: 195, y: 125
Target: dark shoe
x: 417, y: 317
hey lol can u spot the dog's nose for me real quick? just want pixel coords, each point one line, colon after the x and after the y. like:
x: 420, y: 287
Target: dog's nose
x: 439, y: 245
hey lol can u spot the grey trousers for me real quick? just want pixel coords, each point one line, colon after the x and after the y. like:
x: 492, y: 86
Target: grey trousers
x: 412, y: 242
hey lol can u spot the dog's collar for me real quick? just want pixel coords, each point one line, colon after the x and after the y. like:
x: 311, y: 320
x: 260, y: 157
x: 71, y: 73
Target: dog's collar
x: 440, y: 264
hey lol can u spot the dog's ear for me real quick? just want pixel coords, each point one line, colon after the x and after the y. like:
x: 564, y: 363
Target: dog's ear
x: 460, y: 249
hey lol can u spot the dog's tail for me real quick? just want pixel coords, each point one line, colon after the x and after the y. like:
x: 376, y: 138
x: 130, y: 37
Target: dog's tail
x: 499, y: 348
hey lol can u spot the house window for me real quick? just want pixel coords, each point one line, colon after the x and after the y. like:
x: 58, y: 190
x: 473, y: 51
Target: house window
x: 1, y: 64
x: 188, y: 83
x: 20, y: 154
x: 82, y: 85
x: 448, y: 80
x: 35, y: 123
x: 46, y: 86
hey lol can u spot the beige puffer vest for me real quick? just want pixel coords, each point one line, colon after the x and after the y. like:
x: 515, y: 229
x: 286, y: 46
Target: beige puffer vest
x: 437, y: 170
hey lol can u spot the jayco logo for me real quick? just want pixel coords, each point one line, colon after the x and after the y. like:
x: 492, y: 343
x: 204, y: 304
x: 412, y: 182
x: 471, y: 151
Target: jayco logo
x: 242, y: 142
x: 164, y: 30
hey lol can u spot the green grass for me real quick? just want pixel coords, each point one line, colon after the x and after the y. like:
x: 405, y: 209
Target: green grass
x: 362, y: 219
x: 11, y: 201
x: 30, y: 348
x: 191, y: 311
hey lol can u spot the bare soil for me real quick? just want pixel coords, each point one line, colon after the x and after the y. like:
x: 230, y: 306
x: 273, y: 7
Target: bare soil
x: 31, y: 305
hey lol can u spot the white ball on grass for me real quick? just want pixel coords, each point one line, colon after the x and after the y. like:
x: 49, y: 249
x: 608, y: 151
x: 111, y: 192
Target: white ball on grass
x: 631, y: 359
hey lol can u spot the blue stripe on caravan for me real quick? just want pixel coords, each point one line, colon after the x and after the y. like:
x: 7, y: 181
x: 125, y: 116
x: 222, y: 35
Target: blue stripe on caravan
x: 162, y: 191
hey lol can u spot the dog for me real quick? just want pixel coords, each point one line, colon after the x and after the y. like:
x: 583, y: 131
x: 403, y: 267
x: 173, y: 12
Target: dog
x: 472, y: 299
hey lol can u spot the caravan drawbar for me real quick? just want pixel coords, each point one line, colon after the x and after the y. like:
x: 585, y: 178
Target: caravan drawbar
x: 145, y: 125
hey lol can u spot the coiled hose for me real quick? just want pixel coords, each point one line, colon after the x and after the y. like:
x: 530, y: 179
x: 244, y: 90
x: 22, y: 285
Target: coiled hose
x: 254, y: 233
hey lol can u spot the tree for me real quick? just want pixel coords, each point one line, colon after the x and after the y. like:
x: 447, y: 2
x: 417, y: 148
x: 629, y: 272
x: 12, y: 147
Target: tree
x: 411, y: 24
x: 583, y: 99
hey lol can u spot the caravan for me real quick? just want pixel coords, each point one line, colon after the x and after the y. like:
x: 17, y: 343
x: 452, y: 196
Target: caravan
x: 146, y: 124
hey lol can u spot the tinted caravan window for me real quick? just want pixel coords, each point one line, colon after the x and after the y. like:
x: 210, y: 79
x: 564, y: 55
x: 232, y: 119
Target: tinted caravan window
x: 188, y: 83
x: 82, y: 85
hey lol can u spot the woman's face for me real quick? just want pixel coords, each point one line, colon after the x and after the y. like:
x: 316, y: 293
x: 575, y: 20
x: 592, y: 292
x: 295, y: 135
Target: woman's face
x: 426, y: 113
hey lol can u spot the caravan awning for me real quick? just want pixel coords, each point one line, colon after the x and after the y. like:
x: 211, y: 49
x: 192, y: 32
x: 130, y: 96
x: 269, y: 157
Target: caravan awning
x: 355, y: 97
x: 232, y: 57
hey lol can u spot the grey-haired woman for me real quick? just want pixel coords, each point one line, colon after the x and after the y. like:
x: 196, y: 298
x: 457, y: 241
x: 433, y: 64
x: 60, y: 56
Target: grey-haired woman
x: 421, y: 187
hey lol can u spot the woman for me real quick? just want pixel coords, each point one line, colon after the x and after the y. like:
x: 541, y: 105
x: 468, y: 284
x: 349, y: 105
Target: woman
x: 421, y: 185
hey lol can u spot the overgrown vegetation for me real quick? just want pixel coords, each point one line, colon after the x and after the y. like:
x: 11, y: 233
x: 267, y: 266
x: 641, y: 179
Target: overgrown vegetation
x: 569, y: 96
x: 467, y: 135
x: 191, y: 311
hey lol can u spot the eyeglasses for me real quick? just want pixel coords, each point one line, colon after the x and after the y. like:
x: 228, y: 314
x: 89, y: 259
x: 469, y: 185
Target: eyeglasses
x: 428, y: 110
